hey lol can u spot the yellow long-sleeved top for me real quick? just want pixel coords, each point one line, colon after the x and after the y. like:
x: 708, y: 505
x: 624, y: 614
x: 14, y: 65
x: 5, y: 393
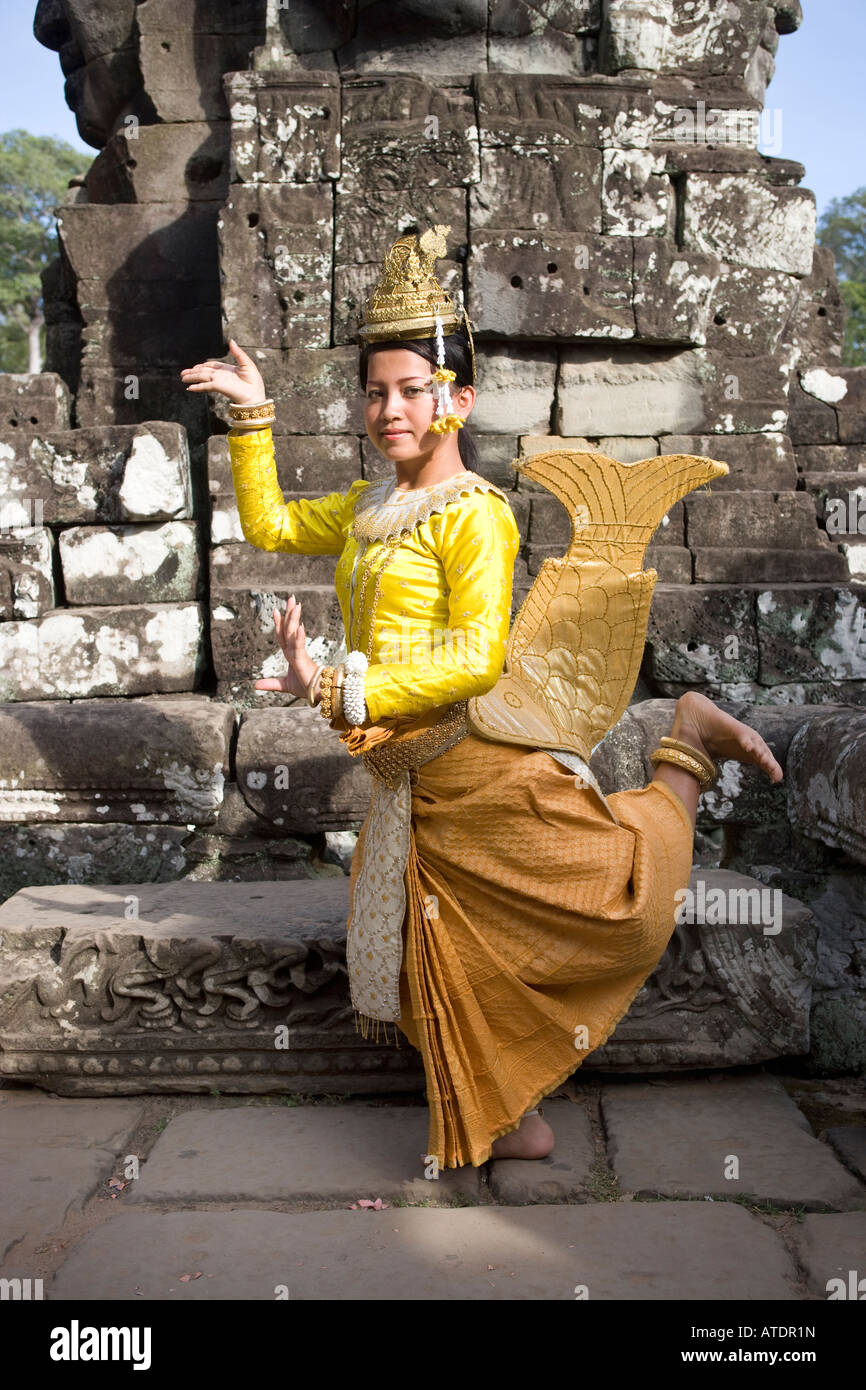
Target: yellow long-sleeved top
x: 442, y: 616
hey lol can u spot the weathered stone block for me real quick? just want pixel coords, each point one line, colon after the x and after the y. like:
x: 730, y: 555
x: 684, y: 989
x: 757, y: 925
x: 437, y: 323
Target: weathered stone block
x: 634, y: 34
x: 818, y: 319
x: 133, y: 650
x: 26, y: 571
x: 672, y: 563
x: 556, y: 189
x: 743, y: 395
x: 750, y: 310
x: 673, y: 291
x: 243, y: 637
x: 432, y: 42
x: 293, y: 771
x: 285, y: 126
x: 365, y: 226
x: 840, y: 502
x: 401, y: 132
x: 515, y: 390
x: 244, y: 992
x: 774, y: 565
x: 831, y: 458
x: 110, y: 473
x: 773, y: 520
x: 810, y: 421
x: 812, y: 634
x: 161, y: 758
x: 124, y: 397
x: 637, y: 197
x: 521, y: 38
x: 551, y: 286
x: 130, y: 564
x: 276, y: 258
x: 183, y: 53
x: 702, y: 635
x: 517, y: 107
x: 756, y: 462
x: 827, y: 781
x: 851, y: 408
x: 643, y: 391
x: 162, y: 164
x: 37, y: 401
x: 749, y: 222
x: 87, y: 853
x: 269, y: 572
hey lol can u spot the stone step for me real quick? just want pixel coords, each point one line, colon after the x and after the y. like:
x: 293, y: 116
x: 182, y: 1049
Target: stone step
x: 243, y: 987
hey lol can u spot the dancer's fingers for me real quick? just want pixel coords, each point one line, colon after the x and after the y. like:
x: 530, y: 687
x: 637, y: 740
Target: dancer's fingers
x: 239, y: 353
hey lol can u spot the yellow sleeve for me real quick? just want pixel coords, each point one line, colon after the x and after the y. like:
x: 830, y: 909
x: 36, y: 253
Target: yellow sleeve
x: 314, y: 526
x: 477, y: 542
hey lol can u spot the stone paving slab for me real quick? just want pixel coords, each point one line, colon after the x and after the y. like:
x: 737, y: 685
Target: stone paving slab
x: 675, y: 1140
x: 303, y: 1153
x: 653, y: 1250
x: 849, y: 1141
x: 561, y: 1177
x: 53, y: 1154
x: 833, y: 1247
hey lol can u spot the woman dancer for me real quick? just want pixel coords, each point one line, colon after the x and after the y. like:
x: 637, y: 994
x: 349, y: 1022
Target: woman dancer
x: 504, y: 912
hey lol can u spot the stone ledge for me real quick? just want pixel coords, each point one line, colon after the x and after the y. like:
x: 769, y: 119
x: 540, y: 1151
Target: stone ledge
x: 186, y: 986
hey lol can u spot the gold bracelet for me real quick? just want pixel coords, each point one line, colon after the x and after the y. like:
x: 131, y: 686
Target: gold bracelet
x: 262, y: 412
x: 686, y: 762
x: 314, y: 688
x: 337, y: 691
x: 703, y: 758
x: 327, y: 683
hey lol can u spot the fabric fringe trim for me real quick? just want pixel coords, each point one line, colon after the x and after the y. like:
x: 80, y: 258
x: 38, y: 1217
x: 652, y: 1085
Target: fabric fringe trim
x: 369, y: 1028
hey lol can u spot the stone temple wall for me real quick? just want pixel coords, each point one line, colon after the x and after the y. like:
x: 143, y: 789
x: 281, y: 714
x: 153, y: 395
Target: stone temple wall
x: 641, y: 279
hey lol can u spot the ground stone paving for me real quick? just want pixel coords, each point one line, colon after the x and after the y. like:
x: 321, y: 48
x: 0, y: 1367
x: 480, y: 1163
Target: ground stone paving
x: 53, y: 1154
x: 653, y: 1250
x: 595, y: 1219
x: 679, y: 1140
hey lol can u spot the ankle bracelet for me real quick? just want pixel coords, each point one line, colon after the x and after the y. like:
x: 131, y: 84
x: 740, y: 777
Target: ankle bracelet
x: 691, y: 759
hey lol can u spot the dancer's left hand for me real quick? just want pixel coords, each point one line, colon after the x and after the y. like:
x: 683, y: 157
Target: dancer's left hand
x: 293, y: 640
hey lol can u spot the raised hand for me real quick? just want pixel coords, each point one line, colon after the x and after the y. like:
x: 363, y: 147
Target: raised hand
x: 293, y: 640
x: 240, y: 381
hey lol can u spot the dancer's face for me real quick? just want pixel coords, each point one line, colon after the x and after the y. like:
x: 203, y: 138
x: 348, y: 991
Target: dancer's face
x: 400, y: 404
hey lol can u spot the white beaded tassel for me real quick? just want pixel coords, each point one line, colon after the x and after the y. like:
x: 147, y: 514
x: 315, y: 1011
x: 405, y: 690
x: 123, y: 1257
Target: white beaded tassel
x: 354, y: 704
x: 444, y: 406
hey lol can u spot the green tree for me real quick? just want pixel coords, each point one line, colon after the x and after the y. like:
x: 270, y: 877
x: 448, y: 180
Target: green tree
x: 34, y: 175
x: 842, y: 228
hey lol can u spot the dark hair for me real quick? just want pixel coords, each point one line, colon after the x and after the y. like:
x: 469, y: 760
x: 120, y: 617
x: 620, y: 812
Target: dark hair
x: 458, y: 359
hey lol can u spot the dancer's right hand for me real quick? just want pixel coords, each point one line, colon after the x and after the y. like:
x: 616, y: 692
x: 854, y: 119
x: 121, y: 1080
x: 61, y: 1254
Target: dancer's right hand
x: 241, y: 383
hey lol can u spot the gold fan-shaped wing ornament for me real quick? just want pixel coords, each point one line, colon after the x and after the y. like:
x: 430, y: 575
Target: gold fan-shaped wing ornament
x: 574, y: 652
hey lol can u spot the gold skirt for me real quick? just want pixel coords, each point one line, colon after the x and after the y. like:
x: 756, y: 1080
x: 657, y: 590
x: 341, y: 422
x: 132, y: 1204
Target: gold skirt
x: 532, y: 921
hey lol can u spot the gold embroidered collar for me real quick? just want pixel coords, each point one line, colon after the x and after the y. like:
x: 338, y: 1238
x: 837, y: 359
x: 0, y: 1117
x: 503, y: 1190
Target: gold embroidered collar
x: 382, y: 511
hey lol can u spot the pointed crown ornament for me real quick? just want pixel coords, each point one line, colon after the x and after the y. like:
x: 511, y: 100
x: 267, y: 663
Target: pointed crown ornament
x: 409, y: 302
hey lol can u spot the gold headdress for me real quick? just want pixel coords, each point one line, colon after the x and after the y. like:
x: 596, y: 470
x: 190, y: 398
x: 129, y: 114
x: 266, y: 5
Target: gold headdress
x: 409, y: 302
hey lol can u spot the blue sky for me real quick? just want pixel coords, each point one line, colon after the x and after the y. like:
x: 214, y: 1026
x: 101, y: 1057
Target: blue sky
x: 818, y: 96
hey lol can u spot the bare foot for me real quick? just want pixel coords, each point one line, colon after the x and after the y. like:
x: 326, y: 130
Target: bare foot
x: 533, y: 1139
x: 700, y: 722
